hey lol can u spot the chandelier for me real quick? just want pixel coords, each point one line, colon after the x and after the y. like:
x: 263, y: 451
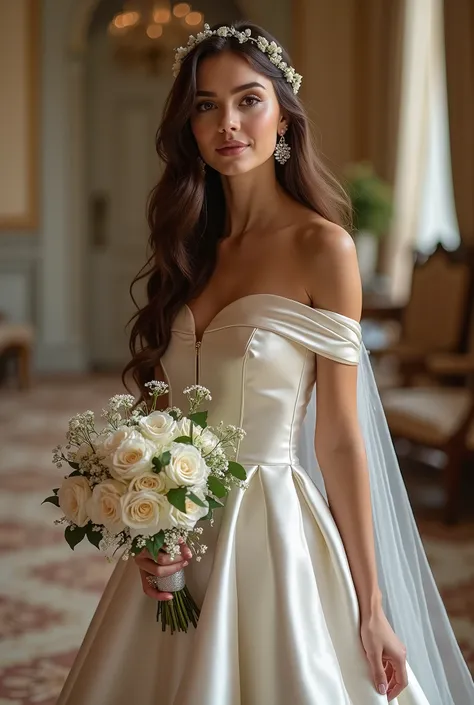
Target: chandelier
x: 146, y: 32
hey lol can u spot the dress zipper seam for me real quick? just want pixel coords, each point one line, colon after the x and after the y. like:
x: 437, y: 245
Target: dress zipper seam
x: 197, y: 348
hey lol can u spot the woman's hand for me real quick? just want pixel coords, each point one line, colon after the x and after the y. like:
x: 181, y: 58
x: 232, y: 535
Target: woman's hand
x: 386, y: 655
x: 164, y: 566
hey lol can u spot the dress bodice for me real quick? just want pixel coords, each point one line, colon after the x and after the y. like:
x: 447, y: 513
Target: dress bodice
x: 257, y: 358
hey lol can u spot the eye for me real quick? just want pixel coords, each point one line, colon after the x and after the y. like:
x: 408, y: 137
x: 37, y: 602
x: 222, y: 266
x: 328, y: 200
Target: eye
x: 204, y: 106
x: 250, y: 100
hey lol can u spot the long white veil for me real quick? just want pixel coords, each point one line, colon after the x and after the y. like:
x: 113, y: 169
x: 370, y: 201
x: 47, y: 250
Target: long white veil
x: 411, y: 599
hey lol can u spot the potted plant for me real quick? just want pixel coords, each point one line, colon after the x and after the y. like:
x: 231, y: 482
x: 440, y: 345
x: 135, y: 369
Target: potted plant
x: 371, y: 200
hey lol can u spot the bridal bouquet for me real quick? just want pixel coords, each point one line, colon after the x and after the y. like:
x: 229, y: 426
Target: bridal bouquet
x: 144, y: 481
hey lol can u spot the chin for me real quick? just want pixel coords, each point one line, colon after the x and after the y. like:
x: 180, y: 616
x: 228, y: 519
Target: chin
x: 236, y: 167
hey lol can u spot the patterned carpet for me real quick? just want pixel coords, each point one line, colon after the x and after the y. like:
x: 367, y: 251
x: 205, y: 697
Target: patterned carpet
x: 48, y: 594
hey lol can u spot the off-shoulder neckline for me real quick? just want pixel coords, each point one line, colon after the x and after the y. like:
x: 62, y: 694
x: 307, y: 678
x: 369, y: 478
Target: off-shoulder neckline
x: 308, y: 310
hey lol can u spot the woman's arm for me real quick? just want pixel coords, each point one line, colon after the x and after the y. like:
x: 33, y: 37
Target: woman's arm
x: 333, y: 283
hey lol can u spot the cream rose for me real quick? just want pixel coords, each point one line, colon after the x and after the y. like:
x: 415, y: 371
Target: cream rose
x: 132, y: 457
x: 186, y: 466
x: 145, y: 511
x: 73, y: 497
x: 149, y: 481
x: 106, y: 446
x: 159, y: 427
x: 104, y: 506
x: 193, y: 512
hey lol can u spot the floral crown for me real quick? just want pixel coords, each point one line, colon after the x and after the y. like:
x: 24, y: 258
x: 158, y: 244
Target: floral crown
x: 272, y: 50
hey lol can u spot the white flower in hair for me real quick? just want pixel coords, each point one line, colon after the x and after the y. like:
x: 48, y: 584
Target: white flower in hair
x: 271, y: 49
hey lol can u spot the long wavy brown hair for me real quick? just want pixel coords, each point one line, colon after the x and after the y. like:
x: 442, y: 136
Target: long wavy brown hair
x: 186, y: 209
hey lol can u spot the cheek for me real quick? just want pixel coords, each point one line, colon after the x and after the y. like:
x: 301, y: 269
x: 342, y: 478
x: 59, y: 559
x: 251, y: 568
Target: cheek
x: 202, y: 129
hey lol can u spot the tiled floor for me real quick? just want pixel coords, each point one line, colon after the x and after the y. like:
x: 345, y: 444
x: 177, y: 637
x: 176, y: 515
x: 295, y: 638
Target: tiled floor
x: 48, y: 594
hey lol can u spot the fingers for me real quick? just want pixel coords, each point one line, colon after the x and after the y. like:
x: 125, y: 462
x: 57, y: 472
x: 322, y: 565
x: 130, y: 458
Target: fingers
x: 151, y: 591
x: 399, y: 680
x: 165, y: 565
x: 378, y: 672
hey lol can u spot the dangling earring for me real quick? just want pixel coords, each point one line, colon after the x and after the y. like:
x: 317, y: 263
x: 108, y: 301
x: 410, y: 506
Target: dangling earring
x: 282, y: 151
x: 202, y: 164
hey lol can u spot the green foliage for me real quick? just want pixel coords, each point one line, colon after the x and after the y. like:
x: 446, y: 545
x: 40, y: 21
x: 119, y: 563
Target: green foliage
x: 52, y: 500
x: 94, y: 537
x: 371, y: 199
x: 184, y: 439
x: 75, y: 466
x: 194, y: 498
x: 237, y: 470
x: 154, y: 543
x: 216, y: 486
x: 177, y: 497
x: 213, y: 503
x: 161, y: 461
x: 199, y: 418
x: 75, y: 536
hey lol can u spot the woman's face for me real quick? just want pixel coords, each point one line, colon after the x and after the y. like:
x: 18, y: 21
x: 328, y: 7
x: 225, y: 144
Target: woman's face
x: 234, y: 104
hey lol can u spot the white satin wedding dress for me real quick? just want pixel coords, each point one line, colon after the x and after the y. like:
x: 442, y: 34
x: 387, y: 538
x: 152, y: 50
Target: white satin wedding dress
x: 279, y: 617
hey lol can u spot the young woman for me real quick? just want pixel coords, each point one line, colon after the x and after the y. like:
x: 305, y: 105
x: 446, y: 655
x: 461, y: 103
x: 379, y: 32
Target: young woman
x: 254, y: 292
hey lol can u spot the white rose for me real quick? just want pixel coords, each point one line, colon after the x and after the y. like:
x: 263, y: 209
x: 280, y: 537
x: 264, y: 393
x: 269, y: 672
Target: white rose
x: 73, y: 496
x: 159, y: 427
x: 186, y: 466
x: 104, y: 506
x: 183, y: 427
x: 132, y: 457
x: 145, y: 511
x: 207, y: 441
x: 193, y: 512
x: 106, y: 446
x: 157, y: 482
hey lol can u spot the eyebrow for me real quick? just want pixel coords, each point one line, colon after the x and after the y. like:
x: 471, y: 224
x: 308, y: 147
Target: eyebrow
x: 238, y: 89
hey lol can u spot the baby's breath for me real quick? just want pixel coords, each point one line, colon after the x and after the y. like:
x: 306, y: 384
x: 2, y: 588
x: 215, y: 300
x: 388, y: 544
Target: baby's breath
x: 271, y: 49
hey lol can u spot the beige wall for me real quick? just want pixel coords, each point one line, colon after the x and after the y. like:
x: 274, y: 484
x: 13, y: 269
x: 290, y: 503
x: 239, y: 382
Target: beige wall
x: 349, y: 53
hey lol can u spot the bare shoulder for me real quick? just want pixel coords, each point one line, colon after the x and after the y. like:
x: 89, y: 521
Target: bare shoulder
x: 328, y: 261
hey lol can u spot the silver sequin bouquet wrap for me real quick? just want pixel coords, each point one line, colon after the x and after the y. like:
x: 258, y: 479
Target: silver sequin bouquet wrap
x: 144, y: 481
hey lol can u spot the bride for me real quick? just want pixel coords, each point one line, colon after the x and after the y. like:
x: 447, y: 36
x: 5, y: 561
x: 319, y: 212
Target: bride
x: 315, y: 588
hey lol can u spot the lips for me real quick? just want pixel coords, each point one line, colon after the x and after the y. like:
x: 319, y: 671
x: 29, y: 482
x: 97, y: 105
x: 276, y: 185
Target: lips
x: 232, y: 148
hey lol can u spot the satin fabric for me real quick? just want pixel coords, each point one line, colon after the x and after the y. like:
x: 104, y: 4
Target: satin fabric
x: 279, y: 614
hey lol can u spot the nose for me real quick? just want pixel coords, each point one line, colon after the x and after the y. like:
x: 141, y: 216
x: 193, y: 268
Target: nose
x: 229, y: 121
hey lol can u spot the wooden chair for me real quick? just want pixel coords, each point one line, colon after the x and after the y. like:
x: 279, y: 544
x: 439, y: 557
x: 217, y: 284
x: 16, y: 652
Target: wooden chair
x: 439, y: 417
x: 436, y: 317
x: 16, y: 340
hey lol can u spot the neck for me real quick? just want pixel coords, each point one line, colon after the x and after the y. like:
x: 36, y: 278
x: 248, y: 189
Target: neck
x: 252, y: 200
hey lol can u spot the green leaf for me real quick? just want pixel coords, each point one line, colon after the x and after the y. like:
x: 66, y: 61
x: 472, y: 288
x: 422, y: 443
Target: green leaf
x: 194, y: 498
x: 154, y: 543
x: 237, y: 470
x: 177, y: 497
x: 157, y: 466
x: 56, y: 490
x: 76, y: 472
x: 75, y: 536
x: 199, y: 418
x: 75, y: 466
x: 52, y: 500
x: 165, y: 458
x: 213, y: 503
x: 183, y: 439
x: 208, y: 516
x: 94, y: 537
x: 216, y: 486
x: 174, y: 415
